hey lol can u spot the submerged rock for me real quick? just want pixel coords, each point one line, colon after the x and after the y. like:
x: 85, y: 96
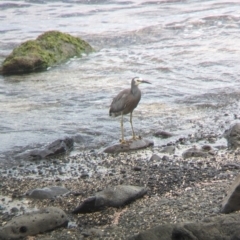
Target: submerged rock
x: 47, y: 192
x: 49, y: 49
x: 231, y: 202
x: 59, y: 146
x: 130, y: 145
x: 233, y: 136
x: 220, y: 227
x: 111, y: 197
x: 162, y: 134
x: 34, y: 223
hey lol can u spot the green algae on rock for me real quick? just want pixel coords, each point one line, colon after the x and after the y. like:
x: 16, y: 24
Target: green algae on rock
x: 49, y: 49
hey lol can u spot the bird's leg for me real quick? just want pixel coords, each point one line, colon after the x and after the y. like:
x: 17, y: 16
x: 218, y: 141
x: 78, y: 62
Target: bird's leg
x: 122, y: 140
x: 133, y: 133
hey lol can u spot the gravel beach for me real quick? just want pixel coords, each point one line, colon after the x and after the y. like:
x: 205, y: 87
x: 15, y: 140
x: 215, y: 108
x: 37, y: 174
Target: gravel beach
x: 178, y: 190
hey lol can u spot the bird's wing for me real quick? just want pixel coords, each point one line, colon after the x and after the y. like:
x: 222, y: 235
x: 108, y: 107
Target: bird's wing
x: 120, y: 101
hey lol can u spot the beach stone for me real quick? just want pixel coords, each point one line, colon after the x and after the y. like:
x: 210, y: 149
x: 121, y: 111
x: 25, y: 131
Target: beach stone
x: 194, y: 152
x: 49, y: 49
x: 224, y: 227
x: 46, y: 192
x: 231, y: 202
x: 168, y: 149
x: 33, y: 223
x: 117, y: 196
x: 130, y: 145
x: 155, y: 157
x: 232, y: 136
x: 162, y: 134
x: 59, y: 146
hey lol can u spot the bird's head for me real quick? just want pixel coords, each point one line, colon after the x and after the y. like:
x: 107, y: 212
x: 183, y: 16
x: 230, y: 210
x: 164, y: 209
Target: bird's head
x: 136, y: 81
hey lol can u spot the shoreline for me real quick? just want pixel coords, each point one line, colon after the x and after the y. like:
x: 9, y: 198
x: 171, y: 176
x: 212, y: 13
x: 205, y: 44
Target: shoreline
x: 179, y: 190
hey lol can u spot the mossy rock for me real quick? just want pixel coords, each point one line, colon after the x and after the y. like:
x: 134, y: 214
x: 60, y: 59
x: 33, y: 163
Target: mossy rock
x: 49, y: 49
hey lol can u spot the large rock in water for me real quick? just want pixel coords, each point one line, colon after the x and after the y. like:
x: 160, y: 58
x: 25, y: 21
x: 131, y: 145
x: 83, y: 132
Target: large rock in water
x: 55, y: 148
x: 49, y: 49
x: 34, y: 223
x: 224, y: 227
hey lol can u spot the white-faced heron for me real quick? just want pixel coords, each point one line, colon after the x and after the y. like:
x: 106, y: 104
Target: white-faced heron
x: 125, y: 102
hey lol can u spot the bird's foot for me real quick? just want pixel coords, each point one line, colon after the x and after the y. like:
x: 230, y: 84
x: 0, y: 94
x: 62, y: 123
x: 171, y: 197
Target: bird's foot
x: 123, y: 141
x: 136, y: 138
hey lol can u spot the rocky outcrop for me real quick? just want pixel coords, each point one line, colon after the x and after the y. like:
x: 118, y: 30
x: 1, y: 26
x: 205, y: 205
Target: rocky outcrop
x: 34, y: 223
x: 49, y: 49
x: 111, y: 197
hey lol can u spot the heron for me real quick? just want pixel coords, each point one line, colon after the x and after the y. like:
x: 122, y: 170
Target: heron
x: 125, y: 102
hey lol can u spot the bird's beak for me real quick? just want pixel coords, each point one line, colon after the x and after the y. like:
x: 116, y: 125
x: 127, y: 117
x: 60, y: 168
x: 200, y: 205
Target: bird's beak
x: 144, y: 81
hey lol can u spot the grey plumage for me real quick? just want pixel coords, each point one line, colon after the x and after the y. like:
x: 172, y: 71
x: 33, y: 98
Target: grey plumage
x: 126, y: 101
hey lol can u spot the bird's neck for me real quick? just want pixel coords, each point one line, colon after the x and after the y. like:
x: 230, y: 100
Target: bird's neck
x: 136, y: 91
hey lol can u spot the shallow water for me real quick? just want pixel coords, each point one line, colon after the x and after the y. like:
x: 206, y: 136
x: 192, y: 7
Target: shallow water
x: 189, y: 50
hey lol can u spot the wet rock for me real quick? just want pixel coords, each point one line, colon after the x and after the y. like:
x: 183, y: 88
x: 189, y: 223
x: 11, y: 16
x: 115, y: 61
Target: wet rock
x: 34, y: 223
x: 220, y: 227
x: 194, y: 152
x: 111, y: 197
x: 60, y: 146
x: 233, y: 136
x: 130, y: 145
x: 47, y: 192
x: 231, y: 202
x: 162, y: 134
x: 168, y: 149
x: 206, y: 148
x: 155, y: 157
x: 47, y: 50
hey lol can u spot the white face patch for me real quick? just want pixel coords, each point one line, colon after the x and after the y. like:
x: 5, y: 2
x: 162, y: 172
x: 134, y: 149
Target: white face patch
x: 137, y: 80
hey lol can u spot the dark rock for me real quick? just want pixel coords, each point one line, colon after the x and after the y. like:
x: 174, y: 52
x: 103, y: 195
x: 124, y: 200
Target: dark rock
x: 162, y: 134
x: 233, y: 136
x: 47, y: 192
x: 60, y: 146
x: 130, y: 145
x: 194, y: 152
x: 111, y: 197
x: 155, y: 157
x: 206, y: 148
x: 49, y: 49
x: 165, y: 158
x: 88, y: 206
x: 231, y: 202
x: 136, y: 168
x: 225, y: 227
x: 34, y: 223
x: 236, y: 236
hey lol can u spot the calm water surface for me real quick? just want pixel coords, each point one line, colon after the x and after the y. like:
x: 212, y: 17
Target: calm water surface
x: 189, y: 50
